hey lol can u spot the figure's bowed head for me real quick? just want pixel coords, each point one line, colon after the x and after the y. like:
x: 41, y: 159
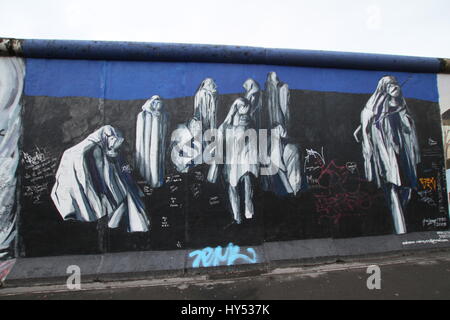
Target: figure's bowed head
x: 390, y: 86
x: 113, y: 141
x: 394, y: 89
x: 243, y: 110
x: 209, y: 84
x: 154, y: 105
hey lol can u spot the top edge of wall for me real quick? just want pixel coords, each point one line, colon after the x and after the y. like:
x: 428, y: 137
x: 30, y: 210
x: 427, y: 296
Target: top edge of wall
x: 171, y: 52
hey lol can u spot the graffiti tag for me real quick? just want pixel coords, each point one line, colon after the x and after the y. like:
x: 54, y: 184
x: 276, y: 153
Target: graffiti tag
x: 36, y: 192
x: 435, y: 223
x: 173, y: 203
x: 2, y: 132
x: 40, y: 169
x: 428, y: 183
x: 148, y: 191
x: 337, y: 206
x: 165, y: 222
x: 340, y: 179
x: 33, y: 159
x: 341, y: 193
x: 214, y: 200
x: 314, y: 163
x: 352, y: 167
x: 196, y: 190
x: 173, y: 178
x: 214, y: 257
x: 426, y: 197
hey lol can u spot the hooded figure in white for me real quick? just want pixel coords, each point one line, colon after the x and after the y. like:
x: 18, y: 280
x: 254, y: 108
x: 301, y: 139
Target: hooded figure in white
x: 187, y: 141
x: 151, y: 131
x: 283, y: 169
x: 390, y: 147
x: 90, y: 184
x: 254, y: 95
x: 205, y: 104
x: 277, y: 101
x: 12, y: 73
x: 241, y: 157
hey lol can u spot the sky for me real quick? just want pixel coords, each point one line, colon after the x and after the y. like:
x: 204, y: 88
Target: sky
x: 412, y: 27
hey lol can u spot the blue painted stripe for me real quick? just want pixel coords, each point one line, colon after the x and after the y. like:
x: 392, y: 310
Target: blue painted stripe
x: 124, y: 80
x: 60, y: 78
x: 103, y: 50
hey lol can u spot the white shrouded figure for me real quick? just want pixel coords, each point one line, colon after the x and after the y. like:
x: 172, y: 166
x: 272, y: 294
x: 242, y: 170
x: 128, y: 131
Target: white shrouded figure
x: 277, y: 101
x: 390, y: 147
x: 254, y: 95
x: 151, y: 131
x: 284, y: 163
x: 90, y: 184
x: 187, y: 142
x: 241, y: 157
x: 205, y: 104
x: 12, y: 73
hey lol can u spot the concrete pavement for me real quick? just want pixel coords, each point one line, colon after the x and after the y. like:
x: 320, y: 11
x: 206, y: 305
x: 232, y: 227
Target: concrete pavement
x: 419, y: 276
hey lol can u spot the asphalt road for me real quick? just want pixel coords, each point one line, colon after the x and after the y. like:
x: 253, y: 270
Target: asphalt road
x: 424, y: 276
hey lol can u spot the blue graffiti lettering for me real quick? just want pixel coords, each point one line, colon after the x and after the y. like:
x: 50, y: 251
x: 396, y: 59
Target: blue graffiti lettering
x: 210, y: 257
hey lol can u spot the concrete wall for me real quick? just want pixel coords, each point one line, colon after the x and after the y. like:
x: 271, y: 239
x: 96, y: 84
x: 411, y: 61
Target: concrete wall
x: 444, y: 102
x: 100, y: 172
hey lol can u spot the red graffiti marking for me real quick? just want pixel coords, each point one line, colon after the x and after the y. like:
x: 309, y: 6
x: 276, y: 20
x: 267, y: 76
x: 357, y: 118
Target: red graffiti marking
x: 341, y: 193
x: 337, y: 206
x: 5, y: 269
x: 340, y: 179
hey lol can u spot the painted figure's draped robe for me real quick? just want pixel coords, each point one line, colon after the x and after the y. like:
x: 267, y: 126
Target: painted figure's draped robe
x: 205, y: 104
x: 151, y: 131
x: 187, y: 143
x: 90, y: 184
x: 12, y: 73
x: 277, y: 102
x: 284, y: 157
x: 254, y: 95
x: 187, y: 146
x: 240, y: 157
x: 390, y: 145
x: 241, y: 154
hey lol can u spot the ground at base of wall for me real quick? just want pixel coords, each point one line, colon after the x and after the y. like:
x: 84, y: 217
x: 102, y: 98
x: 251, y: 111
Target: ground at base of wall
x: 217, y: 261
x: 420, y: 275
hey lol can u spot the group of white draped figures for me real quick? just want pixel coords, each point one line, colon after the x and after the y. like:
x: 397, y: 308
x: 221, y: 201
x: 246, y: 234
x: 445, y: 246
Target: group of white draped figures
x: 91, y: 184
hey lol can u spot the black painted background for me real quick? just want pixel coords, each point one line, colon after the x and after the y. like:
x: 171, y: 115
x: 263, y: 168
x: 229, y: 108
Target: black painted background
x: 180, y: 212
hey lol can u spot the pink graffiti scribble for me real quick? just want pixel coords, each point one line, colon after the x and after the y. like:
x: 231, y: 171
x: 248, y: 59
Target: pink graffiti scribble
x: 340, y: 179
x: 337, y: 206
x: 341, y: 194
x: 5, y: 269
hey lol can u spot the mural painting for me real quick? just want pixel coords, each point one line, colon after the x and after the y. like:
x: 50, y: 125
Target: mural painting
x: 444, y: 102
x: 135, y: 156
x: 90, y: 183
x: 12, y: 73
x: 390, y: 147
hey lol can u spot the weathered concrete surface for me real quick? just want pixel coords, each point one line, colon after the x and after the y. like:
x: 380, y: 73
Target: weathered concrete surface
x: 421, y: 276
x: 445, y: 65
x: 140, y: 265
x: 114, y: 50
